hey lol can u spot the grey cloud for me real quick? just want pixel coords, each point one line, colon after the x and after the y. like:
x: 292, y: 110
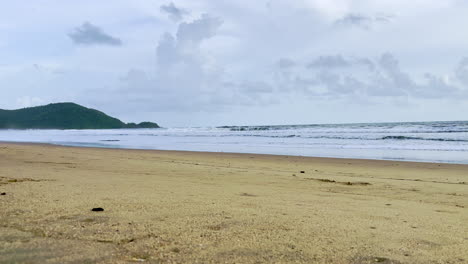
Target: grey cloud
x: 256, y: 87
x: 193, y: 33
x: 175, y: 13
x: 306, y: 85
x: 187, y: 79
x: 184, y: 46
x: 367, y: 63
x: 382, y: 77
x: 329, y: 62
x: 363, y: 21
x: 338, y: 85
x: 435, y: 87
x: 384, y: 18
x: 391, y: 81
x: 48, y: 69
x: 461, y: 72
x: 166, y: 51
x: 355, y: 20
x: 137, y: 78
x: 286, y: 63
x: 180, y: 63
x: 89, y: 34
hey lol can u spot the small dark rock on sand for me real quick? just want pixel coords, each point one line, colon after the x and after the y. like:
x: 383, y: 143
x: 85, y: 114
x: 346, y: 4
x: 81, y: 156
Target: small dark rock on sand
x: 3, y: 193
x: 302, y: 171
x: 97, y: 209
x: 248, y: 195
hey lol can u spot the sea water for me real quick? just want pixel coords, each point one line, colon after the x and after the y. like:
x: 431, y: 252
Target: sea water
x: 445, y: 142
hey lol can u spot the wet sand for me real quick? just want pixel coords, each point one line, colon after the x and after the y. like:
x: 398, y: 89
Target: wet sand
x: 189, y: 207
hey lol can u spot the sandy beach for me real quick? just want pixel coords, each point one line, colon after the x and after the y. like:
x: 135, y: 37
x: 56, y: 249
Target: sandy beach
x: 189, y: 207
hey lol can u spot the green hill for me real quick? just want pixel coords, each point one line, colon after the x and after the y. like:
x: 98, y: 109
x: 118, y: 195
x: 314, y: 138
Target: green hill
x: 63, y: 116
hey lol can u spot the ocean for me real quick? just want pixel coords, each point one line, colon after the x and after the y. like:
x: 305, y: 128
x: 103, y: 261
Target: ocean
x: 445, y: 142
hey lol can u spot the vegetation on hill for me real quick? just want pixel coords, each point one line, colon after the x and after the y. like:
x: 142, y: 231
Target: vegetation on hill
x: 63, y: 116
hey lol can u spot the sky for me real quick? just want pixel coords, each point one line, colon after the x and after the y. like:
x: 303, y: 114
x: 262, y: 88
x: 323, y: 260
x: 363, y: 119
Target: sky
x: 239, y: 62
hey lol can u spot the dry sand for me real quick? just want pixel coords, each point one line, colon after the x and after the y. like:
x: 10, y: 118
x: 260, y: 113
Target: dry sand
x: 188, y: 207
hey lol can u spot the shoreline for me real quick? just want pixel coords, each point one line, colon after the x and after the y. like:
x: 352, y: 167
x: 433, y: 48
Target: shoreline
x: 231, y: 153
x: 205, y: 207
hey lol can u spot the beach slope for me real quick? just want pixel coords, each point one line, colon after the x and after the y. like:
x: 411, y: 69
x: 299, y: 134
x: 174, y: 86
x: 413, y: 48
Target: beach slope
x: 189, y: 207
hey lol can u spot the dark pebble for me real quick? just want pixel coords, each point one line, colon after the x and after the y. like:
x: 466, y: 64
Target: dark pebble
x: 98, y: 209
x: 302, y: 171
x: 3, y: 193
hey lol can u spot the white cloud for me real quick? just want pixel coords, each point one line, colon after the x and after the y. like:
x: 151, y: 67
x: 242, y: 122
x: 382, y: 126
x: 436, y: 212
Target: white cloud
x: 225, y: 55
x: 181, y: 65
x: 28, y: 101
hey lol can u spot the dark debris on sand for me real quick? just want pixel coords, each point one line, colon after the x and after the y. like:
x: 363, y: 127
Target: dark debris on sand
x: 338, y: 182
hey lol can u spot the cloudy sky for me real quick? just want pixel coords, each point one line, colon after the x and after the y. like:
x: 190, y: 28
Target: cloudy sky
x: 196, y: 63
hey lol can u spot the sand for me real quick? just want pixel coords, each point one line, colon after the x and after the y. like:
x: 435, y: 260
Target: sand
x: 189, y: 207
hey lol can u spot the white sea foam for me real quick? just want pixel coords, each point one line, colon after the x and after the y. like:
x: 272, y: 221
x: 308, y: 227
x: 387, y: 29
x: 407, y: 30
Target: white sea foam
x: 429, y: 141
